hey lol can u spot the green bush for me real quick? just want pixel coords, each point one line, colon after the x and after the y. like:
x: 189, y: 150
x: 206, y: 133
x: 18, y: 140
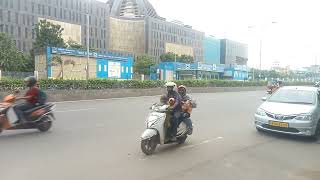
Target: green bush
x: 97, y: 84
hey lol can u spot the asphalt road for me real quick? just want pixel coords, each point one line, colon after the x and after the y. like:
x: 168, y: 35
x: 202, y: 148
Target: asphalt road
x: 96, y: 140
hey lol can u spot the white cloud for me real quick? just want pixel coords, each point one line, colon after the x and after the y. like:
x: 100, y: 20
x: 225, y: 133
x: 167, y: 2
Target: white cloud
x: 293, y: 40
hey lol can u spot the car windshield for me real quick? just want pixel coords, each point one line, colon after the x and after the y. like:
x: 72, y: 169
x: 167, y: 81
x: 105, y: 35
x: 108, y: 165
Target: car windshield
x: 293, y: 96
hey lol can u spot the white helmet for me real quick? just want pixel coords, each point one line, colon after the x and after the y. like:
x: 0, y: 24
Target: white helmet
x: 170, y: 84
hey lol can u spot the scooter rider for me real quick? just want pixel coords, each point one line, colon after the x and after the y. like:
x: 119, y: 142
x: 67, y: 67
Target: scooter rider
x: 175, y: 108
x: 187, y: 104
x: 31, y: 99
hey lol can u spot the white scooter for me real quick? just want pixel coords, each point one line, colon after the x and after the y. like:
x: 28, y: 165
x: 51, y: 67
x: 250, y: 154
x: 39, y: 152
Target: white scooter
x: 156, y: 132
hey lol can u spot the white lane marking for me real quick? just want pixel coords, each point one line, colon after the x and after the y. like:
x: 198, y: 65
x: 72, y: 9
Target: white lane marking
x: 202, y: 143
x: 75, y: 110
x: 92, y: 100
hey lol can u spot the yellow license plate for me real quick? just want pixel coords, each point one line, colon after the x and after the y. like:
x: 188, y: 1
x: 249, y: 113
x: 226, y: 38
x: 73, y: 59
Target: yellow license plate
x: 279, y: 124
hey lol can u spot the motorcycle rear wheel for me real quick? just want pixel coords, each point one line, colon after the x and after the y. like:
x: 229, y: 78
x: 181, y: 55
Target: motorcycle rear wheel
x: 148, y: 146
x: 45, y: 126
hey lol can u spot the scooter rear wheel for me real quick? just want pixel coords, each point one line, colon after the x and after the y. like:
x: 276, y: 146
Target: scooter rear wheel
x: 182, y: 139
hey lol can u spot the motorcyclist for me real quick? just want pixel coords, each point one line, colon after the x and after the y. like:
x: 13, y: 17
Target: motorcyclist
x: 31, y: 99
x: 187, y: 105
x: 175, y: 109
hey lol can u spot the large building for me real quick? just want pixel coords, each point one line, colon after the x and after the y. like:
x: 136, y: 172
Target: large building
x: 233, y: 53
x: 212, y: 50
x: 123, y: 26
x: 19, y: 17
x: 136, y: 27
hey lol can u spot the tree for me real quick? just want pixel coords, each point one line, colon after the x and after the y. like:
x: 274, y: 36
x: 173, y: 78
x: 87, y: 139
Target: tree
x: 186, y: 59
x: 143, y: 64
x: 168, y: 57
x: 11, y: 59
x: 171, y: 57
x: 74, y: 45
x: 48, y: 34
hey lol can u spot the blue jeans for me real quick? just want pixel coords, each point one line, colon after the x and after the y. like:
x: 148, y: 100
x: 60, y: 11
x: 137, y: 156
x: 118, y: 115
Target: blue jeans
x: 174, y: 124
x: 186, y: 119
x: 20, y: 108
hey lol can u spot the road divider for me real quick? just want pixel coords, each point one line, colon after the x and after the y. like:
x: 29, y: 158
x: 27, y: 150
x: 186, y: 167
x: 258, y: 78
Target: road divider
x: 84, y: 95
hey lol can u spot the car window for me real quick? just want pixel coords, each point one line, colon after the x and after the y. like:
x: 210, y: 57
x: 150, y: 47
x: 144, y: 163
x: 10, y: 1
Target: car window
x: 294, y: 96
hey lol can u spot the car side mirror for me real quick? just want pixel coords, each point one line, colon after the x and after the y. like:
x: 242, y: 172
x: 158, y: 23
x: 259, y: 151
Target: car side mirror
x: 264, y: 99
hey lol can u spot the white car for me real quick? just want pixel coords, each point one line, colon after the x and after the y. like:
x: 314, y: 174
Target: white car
x: 291, y: 110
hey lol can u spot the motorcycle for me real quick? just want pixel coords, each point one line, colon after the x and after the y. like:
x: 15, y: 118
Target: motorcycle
x: 156, y: 131
x: 40, y: 117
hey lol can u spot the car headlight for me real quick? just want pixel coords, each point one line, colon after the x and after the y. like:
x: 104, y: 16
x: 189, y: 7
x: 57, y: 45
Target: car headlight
x: 304, y: 117
x: 261, y: 112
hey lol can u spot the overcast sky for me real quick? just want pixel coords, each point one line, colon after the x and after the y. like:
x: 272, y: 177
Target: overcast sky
x: 293, y: 40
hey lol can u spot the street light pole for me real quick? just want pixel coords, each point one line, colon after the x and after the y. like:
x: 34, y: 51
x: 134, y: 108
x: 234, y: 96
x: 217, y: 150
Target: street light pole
x: 260, y: 58
x: 260, y: 49
x: 88, y: 48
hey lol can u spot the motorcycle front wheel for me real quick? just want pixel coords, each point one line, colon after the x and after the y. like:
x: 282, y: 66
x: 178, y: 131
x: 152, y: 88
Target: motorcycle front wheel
x: 148, y: 146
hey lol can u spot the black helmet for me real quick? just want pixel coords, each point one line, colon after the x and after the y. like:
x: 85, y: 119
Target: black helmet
x: 30, y: 81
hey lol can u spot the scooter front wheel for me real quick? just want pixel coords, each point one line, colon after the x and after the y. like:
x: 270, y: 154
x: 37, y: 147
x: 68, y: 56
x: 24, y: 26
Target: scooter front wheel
x: 148, y: 146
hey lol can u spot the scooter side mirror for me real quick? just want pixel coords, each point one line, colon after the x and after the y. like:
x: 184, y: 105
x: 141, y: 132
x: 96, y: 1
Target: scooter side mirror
x: 264, y: 99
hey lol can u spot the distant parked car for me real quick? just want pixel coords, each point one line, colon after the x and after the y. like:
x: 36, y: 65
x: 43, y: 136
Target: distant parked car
x: 291, y: 110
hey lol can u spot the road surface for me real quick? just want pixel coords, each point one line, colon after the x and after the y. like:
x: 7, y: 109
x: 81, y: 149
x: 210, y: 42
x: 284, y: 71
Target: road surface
x: 100, y: 140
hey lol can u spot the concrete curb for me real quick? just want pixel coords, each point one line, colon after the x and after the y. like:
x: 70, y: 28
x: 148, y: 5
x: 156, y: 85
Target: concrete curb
x: 78, y: 95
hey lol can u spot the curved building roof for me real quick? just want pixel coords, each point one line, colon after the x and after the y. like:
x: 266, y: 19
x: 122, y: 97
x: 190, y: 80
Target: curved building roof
x: 132, y: 9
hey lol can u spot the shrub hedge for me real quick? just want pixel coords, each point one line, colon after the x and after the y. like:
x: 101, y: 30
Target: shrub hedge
x: 12, y: 84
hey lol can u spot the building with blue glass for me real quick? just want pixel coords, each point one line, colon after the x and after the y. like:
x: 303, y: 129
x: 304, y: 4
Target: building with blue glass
x: 212, y: 50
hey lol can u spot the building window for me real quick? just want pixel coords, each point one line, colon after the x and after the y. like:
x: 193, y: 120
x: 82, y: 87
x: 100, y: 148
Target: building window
x: 55, y: 12
x: 7, y: 29
x: 33, y: 21
x: 49, y: 11
x: 1, y: 15
x: 65, y: 14
x: 19, y: 4
x: 23, y: 20
x: 39, y: 8
x: 28, y: 20
x: 9, y: 16
x: 32, y: 34
x: 11, y: 30
x: 24, y: 46
x: 61, y: 13
x: 11, y: 4
x: 32, y: 7
x: 19, y: 32
x: 26, y: 33
x: 19, y: 45
x: 1, y: 27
